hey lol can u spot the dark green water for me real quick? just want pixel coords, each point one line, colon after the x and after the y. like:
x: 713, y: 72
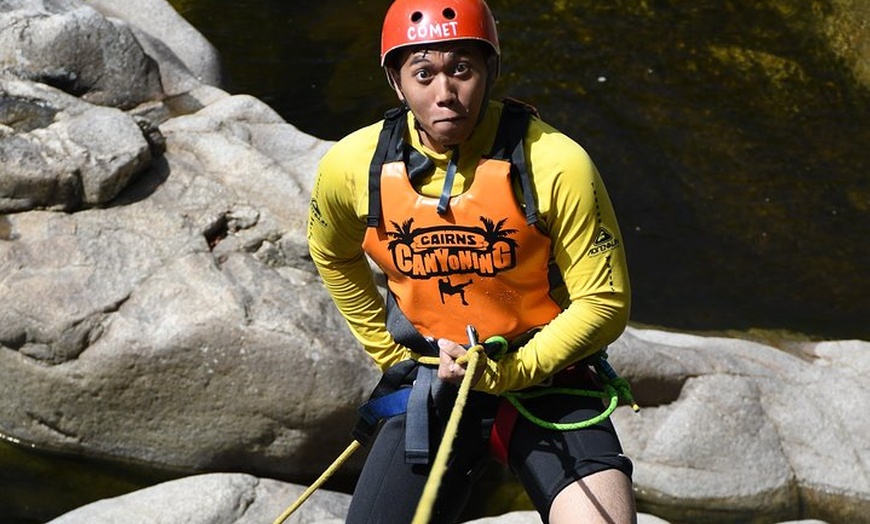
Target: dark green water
x: 36, y: 486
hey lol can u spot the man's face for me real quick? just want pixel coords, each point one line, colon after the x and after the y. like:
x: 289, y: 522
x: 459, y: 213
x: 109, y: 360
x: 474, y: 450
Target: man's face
x: 444, y: 86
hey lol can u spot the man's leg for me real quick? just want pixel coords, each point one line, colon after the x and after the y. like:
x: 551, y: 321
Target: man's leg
x: 388, y: 489
x: 572, y: 476
x: 605, y: 497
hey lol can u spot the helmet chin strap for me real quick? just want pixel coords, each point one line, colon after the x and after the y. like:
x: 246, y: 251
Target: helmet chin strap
x: 390, y: 80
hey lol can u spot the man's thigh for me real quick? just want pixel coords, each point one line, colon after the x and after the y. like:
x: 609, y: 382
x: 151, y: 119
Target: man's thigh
x: 548, y: 461
x: 605, y: 497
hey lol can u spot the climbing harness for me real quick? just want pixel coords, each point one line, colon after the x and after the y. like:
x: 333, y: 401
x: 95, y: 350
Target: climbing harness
x: 615, y: 388
x: 430, y: 490
x: 439, y: 466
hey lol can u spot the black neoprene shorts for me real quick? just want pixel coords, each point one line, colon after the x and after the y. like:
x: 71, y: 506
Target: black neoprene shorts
x: 545, y: 461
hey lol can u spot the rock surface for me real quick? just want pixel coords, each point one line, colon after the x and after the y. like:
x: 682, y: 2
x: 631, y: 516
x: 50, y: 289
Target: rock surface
x: 242, y: 499
x: 170, y: 315
x: 168, y: 37
x: 219, y: 498
x: 60, y: 153
x: 746, y: 428
x: 69, y: 45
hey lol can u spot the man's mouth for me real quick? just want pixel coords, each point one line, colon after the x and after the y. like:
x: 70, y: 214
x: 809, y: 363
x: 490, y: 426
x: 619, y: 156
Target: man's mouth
x: 450, y: 120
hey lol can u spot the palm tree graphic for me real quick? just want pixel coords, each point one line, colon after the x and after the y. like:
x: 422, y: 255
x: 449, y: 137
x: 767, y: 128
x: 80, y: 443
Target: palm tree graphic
x: 494, y: 232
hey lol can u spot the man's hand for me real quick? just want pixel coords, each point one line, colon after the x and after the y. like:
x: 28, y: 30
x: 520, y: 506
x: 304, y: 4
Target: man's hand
x: 449, y: 370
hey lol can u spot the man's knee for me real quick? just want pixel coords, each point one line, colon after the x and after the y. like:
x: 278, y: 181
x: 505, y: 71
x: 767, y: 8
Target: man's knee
x: 604, y: 497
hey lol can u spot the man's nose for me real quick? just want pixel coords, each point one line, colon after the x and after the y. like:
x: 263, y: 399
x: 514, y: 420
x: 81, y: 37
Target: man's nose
x: 446, y: 90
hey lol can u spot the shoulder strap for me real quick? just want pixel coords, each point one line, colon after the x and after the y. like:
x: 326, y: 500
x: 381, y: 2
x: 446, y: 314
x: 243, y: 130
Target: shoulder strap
x: 389, y: 149
x: 508, y: 145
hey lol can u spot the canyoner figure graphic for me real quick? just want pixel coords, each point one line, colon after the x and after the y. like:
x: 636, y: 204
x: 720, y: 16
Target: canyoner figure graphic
x: 446, y: 288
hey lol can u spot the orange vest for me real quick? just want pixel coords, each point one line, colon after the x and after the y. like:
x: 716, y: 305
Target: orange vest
x: 479, y: 264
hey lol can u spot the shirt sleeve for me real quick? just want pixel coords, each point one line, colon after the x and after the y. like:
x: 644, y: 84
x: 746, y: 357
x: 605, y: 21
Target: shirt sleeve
x: 577, y: 214
x: 336, y: 227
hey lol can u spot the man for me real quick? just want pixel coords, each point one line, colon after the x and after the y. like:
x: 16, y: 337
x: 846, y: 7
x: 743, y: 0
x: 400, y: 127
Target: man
x: 479, y: 214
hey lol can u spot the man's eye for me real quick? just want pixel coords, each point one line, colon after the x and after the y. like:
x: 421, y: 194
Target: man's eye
x: 461, y: 68
x: 422, y: 74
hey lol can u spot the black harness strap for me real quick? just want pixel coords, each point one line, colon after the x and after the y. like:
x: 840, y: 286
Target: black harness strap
x: 417, y: 417
x: 389, y: 149
x: 509, y: 145
x: 405, y: 333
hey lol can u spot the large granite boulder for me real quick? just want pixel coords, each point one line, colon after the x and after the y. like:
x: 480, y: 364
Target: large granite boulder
x: 746, y: 429
x: 62, y: 153
x: 170, y: 315
x: 166, y: 36
x: 218, y: 498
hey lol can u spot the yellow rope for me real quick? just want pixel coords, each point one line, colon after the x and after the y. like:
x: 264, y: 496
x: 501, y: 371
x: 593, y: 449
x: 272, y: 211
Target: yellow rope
x: 319, y: 482
x: 439, y: 466
x: 431, y: 489
x: 430, y: 361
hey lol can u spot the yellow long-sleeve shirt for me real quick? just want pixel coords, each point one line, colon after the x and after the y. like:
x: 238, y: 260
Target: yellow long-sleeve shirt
x: 574, y: 211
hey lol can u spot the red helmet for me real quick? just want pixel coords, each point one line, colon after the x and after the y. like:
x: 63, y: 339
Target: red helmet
x: 411, y: 22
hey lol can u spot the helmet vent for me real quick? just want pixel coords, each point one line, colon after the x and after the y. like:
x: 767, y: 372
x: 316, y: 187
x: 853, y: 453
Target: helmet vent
x: 449, y: 13
x: 416, y: 17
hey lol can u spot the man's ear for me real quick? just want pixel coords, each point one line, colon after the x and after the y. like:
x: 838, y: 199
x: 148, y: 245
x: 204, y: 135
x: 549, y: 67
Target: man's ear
x: 393, y: 79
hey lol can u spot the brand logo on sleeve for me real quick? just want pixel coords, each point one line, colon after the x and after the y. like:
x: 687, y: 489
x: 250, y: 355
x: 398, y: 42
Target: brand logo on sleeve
x: 604, y: 241
x: 315, y: 215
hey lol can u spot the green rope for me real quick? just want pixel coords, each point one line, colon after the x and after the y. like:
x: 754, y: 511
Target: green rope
x: 615, y: 388
x: 609, y: 392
